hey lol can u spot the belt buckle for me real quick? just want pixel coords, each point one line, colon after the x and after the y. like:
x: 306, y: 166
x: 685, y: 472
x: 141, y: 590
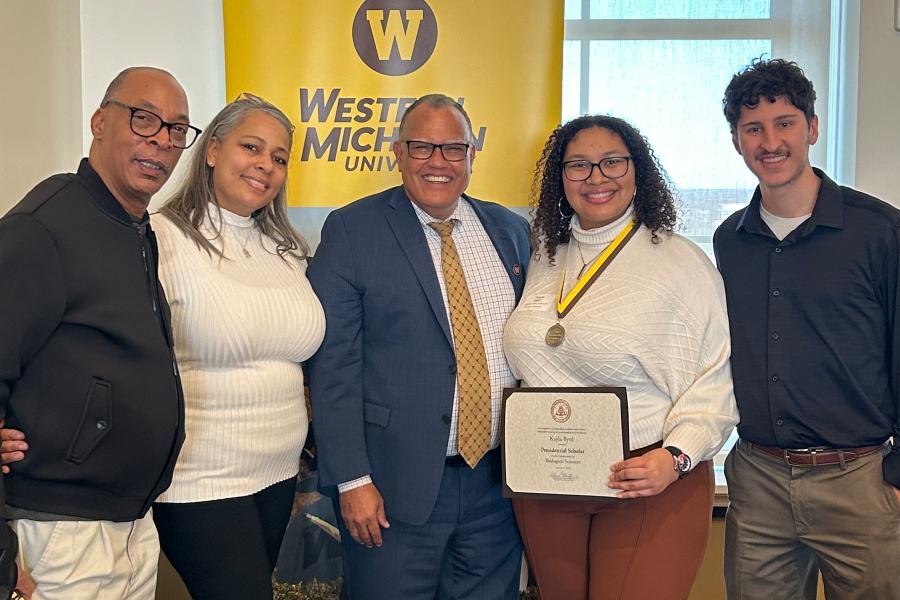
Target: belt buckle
x: 809, y: 451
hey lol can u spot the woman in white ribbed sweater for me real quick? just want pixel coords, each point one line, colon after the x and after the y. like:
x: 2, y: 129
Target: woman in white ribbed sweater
x: 652, y: 321
x: 244, y: 317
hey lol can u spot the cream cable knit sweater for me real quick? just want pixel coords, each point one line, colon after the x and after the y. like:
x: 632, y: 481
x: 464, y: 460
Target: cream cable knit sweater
x: 654, y: 322
x: 242, y: 325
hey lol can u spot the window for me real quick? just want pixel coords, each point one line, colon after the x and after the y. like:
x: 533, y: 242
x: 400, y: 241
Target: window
x: 663, y: 66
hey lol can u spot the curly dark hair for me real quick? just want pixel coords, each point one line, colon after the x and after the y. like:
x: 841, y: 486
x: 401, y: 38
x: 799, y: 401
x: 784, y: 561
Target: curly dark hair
x: 654, y: 202
x: 768, y: 78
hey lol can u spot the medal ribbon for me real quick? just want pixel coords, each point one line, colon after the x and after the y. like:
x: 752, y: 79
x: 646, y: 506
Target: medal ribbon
x: 564, y: 305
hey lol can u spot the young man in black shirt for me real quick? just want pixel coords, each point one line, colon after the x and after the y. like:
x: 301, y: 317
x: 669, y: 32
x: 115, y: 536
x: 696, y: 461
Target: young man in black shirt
x: 811, y: 272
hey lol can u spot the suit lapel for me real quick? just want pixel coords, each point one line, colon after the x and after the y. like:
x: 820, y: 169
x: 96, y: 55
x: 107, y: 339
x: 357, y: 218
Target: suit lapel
x: 411, y: 237
x: 504, y: 245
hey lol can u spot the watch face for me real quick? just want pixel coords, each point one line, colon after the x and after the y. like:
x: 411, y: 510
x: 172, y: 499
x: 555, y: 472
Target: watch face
x: 684, y: 463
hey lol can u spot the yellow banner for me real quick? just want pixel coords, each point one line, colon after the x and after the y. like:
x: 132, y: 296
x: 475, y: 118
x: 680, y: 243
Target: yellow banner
x: 344, y: 72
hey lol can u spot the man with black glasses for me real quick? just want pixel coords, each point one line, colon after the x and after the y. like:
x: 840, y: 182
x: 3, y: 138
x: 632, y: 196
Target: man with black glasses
x: 87, y: 370
x: 417, y: 282
x: 811, y: 277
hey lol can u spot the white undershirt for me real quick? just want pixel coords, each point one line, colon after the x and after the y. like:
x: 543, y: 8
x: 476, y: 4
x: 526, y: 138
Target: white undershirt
x: 781, y: 226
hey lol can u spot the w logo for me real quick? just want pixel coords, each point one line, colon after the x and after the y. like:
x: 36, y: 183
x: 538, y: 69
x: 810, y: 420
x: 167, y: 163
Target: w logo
x: 394, y: 37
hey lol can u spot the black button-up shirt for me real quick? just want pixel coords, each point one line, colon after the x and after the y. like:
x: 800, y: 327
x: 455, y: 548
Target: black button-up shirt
x: 815, y: 342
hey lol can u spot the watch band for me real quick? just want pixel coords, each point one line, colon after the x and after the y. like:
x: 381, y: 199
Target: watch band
x: 682, y: 461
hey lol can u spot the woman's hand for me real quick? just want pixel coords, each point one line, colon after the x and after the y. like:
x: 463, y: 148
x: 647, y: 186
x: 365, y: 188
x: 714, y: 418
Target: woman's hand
x: 12, y: 445
x: 25, y: 585
x: 645, y: 475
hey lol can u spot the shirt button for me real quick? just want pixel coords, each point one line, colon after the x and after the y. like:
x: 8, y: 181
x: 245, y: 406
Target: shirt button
x: 777, y: 250
x: 776, y: 293
x: 775, y: 378
x: 779, y: 422
x: 775, y: 336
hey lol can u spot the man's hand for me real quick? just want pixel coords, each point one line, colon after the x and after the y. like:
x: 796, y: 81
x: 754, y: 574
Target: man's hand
x: 12, y: 446
x: 363, y: 511
x: 645, y: 475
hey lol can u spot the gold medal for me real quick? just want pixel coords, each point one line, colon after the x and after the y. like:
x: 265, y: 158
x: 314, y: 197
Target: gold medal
x: 555, y: 335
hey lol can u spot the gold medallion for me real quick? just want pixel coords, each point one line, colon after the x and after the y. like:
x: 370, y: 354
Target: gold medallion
x: 555, y: 335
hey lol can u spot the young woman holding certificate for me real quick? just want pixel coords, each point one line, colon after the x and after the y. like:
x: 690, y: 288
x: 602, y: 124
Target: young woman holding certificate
x: 615, y: 298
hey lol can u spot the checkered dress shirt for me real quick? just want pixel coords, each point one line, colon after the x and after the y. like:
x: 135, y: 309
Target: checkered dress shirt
x: 493, y: 298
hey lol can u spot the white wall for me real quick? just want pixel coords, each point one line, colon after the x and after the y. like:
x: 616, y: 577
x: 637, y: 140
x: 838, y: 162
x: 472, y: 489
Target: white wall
x: 878, y: 132
x: 183, y: 37
x: 57, y: 57
x: 40, y: 107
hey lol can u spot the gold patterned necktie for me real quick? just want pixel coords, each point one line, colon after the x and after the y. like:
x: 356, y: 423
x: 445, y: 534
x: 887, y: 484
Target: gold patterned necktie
x: 472, y: 379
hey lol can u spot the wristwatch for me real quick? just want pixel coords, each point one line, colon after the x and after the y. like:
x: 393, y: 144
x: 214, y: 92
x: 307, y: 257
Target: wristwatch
x: 682, y: 461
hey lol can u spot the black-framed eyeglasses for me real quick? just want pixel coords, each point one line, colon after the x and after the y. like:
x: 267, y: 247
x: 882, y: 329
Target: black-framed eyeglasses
x: 611, y: 167
x: 452, y: 152
x: 146, y: 123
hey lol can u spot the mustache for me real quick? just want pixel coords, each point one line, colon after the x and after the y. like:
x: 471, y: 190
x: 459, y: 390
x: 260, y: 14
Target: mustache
x: 162, y: 166
x: 761, y: 154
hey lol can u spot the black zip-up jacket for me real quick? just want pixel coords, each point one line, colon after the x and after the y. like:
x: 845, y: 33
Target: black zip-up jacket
x: 87, y: 366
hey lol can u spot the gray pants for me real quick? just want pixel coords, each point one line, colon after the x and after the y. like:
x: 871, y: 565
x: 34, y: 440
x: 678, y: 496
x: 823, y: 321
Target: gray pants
x: 785, y: 524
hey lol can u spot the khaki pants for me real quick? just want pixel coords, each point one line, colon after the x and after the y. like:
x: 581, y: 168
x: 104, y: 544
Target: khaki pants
x: 785, y: 524
x: 90, y: 560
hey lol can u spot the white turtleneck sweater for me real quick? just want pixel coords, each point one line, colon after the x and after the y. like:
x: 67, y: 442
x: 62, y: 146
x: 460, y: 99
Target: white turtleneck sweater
x: 654, y: 322
x: 242, y: 325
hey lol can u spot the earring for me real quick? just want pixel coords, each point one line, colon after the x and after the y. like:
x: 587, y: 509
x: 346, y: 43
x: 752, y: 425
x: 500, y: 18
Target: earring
x: 559, y: 207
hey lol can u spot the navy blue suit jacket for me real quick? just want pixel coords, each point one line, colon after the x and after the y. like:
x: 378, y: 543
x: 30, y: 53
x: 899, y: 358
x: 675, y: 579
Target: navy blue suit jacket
x: 382, y: 384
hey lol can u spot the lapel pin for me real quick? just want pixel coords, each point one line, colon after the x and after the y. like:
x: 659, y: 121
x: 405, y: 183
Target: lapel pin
x: 517, y: 269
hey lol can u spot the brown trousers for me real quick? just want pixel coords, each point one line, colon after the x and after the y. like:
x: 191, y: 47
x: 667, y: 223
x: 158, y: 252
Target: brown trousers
x: 620, y: 549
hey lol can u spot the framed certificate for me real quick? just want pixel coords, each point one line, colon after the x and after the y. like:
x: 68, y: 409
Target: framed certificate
x: 560, y: 442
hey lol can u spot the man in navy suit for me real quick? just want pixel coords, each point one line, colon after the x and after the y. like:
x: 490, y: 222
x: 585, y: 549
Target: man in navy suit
x: 417, y: 519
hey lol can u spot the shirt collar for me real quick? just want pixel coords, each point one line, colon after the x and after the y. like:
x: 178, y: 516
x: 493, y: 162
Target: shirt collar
x: 462, y: 214
x: 104, y: 198
x: 827, y: 212
x: 218, y: 215
x: 603, y: 234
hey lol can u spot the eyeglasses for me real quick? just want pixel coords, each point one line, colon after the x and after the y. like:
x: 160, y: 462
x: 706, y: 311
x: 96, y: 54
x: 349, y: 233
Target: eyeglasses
x: 611, y: 167
x: 453, y: 152
x: 147, y: 124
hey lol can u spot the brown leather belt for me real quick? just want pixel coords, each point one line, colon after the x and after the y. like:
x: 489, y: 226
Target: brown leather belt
x: 817, y: 457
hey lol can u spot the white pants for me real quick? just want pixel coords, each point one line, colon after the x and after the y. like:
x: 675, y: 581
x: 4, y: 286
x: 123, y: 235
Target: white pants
x: 90, y: 560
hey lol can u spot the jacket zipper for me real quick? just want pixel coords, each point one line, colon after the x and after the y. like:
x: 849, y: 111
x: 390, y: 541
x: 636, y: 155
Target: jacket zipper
x: 154, y: 299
